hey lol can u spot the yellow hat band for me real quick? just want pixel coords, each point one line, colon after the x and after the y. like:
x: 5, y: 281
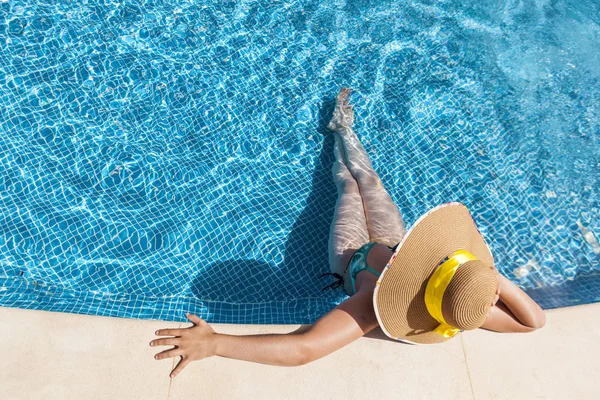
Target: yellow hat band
x: 439, y: 281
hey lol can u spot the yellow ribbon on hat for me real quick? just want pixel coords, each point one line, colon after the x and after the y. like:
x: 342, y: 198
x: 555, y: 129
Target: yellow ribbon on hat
x: 439, y: 281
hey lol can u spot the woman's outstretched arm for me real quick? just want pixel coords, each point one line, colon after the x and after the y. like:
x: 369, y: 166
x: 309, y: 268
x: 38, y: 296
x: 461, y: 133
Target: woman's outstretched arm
x: 201, y: 341
x: 339, y: 327
x: 284, y: 350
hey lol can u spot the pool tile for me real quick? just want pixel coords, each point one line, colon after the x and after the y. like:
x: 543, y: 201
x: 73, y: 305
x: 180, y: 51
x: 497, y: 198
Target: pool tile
x: 162, y: 157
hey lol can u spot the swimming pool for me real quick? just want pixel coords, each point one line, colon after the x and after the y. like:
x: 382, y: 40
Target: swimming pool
x: 160, y: 157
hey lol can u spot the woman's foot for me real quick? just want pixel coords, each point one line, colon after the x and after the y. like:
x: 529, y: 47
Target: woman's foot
x: 343, y: 115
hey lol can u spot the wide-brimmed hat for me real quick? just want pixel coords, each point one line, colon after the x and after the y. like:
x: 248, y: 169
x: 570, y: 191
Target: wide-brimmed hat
x: 440, y: 280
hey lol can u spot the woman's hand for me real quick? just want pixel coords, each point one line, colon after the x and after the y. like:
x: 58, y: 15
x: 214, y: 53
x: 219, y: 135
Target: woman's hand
x: 193, y: 343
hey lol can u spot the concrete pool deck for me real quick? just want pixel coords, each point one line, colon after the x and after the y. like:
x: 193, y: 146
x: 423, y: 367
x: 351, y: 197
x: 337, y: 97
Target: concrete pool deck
x: 70, y: 356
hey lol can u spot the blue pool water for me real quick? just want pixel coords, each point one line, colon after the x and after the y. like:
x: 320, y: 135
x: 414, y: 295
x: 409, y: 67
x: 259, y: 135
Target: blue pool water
x: 160, y: 157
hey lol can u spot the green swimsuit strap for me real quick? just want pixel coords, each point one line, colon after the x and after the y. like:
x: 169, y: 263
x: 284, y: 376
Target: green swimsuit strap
x: 340, y: 279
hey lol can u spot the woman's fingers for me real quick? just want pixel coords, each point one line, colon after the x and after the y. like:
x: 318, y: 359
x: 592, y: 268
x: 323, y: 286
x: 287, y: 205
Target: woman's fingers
x: 166, y: 342
x: 195, y: 319
x: 168, y: 332
x: 182, y: 363
x: 169, y: 353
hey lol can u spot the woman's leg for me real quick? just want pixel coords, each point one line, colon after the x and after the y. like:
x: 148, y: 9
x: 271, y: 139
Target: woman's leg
x: 384, y: 221
x: 349, y: 227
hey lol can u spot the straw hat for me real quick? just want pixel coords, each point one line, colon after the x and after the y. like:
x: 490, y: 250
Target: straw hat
x: 444, y: 268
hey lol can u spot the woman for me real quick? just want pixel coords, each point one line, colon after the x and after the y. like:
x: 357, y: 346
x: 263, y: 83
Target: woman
x: 438, y: 280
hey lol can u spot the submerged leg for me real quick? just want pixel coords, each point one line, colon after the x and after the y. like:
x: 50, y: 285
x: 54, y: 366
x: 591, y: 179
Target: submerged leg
x: 349, y: 227
x: 384, y: 221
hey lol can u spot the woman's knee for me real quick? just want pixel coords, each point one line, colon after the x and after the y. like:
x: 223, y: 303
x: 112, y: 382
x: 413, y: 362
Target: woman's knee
x: 367, y: 178
x: 343, y: 178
